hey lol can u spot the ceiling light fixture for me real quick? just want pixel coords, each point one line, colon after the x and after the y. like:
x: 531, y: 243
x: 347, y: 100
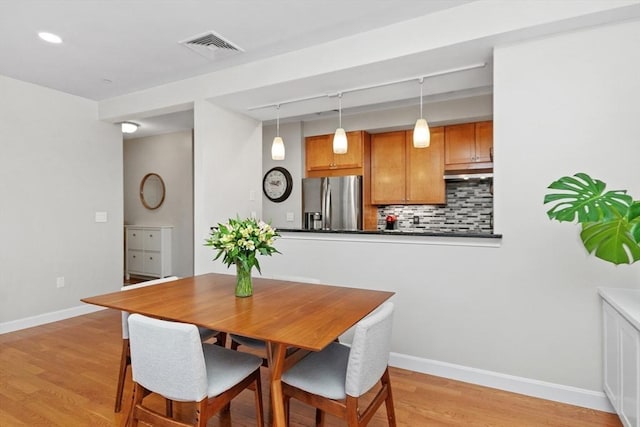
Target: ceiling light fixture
x: 340, y: 144
x: 277, y: 148
x: 129, y: 127
x: 421, y: 134
x: 50, y: 37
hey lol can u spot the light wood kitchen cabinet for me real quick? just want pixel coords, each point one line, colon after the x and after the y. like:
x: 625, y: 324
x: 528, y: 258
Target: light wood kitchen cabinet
x: 402, y: 174
x: 320, y: 157
x: 469, y: 146
x: 320, y: 161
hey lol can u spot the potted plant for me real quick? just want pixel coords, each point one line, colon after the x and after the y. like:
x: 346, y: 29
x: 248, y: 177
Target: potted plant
x: 240, y: 241
x: 610, y: 220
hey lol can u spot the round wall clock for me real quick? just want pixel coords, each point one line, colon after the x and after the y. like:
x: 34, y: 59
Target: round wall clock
x: 277, y: 184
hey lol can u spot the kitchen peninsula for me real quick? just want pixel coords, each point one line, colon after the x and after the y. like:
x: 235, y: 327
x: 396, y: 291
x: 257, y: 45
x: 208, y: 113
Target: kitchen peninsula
x: 393, y: 233
x: 396, y: 238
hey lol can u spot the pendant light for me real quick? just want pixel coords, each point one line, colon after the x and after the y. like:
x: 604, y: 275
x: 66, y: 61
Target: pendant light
x: 421, y: 134
x: 277, y: 148
x: 340, y: 144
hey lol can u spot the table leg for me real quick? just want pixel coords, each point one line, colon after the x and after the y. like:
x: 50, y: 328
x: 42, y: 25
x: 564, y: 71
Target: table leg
x: 276, y: 353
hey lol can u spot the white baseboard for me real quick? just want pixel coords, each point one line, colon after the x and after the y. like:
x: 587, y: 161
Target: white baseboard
x: 541, y: 389
x: 41, y: 319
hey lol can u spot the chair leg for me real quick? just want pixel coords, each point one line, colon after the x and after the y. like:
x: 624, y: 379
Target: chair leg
x: 221, y: 339
x: 259, y: 406
x: 391, y: 413
x: 138, y: 395
x: 124, y: 363
x: 169, y: 407
x: 353, y: 420
x: 201, y: 415
x: 319, y: 417
x: 286, y: 402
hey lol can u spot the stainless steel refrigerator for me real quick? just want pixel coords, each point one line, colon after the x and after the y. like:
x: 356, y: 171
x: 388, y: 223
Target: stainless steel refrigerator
x: 332, y: 203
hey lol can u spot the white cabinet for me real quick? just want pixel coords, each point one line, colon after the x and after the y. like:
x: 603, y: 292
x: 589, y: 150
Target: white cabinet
x: 621, y: 317
x: 148, y: 250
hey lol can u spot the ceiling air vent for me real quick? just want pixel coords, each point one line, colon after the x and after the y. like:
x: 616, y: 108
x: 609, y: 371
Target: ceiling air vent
x: 211, y: 45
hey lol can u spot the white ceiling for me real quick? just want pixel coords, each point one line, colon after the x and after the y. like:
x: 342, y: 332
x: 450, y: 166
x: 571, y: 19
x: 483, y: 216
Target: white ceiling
x: 135, y: 43
x: 114, y: 47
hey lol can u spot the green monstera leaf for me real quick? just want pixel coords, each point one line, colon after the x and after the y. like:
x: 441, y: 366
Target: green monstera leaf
x: 615, y: 240
x: 610, y: 220
x: 585, y: 198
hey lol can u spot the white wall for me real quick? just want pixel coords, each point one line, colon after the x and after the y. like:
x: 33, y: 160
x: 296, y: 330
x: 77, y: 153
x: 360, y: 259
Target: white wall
x: 59, y: 165
x: 227, y: 174
x: 563, y: 105
x: 529, y: 308
x: 170, y: 156
x: 276, y: 213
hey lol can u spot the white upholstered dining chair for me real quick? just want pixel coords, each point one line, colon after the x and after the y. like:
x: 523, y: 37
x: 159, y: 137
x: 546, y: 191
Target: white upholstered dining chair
x: 125, y: 358
x: 168, y: 358
x: 334, y: 378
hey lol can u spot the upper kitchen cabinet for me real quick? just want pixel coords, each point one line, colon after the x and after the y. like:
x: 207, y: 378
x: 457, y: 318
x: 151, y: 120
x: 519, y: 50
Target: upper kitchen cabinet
x: 469, y: 146
x: 403, y: 174
x: 321, y: 161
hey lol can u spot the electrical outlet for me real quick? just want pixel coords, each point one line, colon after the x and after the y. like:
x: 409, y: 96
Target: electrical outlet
x: 416, y: 220
x: 60, y: 282
x: 289, y: 216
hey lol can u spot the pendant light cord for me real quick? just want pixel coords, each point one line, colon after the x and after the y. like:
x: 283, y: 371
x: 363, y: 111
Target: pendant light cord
x: 340, y: 109
x: 421, y: 81
x: 278, y: 120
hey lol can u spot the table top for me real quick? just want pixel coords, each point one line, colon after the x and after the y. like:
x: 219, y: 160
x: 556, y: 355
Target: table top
x: 303, y: 315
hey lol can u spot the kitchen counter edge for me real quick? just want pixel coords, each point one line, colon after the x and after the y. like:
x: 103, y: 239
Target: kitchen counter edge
x: 392, y: 233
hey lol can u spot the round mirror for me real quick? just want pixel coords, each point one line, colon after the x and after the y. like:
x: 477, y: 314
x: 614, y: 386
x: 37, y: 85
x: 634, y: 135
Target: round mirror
x: 152, y: 191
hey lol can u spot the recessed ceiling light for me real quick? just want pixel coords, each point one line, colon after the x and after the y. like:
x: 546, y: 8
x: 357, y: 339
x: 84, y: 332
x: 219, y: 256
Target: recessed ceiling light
x: 49, y: 37
x: 129, y: 127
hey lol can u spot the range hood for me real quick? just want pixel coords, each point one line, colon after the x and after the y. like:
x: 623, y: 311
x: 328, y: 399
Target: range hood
x: 471, y: 175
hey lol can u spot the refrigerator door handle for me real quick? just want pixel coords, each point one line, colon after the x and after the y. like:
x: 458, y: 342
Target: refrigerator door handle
x: 326, y: 204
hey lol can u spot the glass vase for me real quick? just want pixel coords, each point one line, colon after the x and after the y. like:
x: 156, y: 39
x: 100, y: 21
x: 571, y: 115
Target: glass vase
x: 244, y: 287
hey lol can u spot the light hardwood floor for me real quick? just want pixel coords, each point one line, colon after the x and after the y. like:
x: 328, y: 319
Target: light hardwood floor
x: 64, y: 374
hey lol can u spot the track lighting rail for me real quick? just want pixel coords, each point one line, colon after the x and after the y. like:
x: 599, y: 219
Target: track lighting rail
x: 361, y: 88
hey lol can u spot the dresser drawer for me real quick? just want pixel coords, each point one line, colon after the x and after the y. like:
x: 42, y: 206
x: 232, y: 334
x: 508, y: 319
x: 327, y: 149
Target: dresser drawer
x: 152, y: 240
x: 152, y: 263
x: 135, y: 261
x: 134, y: 238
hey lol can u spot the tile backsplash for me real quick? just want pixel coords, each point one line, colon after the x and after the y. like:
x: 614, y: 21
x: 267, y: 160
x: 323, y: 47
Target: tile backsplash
x: 469, y: 209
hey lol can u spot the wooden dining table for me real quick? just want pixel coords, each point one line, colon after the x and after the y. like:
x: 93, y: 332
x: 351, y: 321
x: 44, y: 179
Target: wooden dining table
x: 284, y: 314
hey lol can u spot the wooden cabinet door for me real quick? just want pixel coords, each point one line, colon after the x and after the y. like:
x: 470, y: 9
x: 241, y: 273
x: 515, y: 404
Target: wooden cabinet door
x: 353, y: 157
x: 388, y: 168
x: 484, y: 141
x: 319, y: 152
x: 425, y: 170
x: 459, y: 144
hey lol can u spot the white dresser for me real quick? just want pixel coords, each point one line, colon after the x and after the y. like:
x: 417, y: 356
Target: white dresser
x: 148, y: 250
x: 621, y: 316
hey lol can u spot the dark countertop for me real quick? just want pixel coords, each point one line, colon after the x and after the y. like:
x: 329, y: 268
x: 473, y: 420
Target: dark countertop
x: 395, y: 233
